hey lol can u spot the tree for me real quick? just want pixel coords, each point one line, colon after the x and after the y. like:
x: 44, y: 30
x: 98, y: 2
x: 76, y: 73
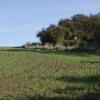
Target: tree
x: 53, y: 35
x: 80, y: 25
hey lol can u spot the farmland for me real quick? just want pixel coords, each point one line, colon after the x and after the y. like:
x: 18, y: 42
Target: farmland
x: 27, y: 74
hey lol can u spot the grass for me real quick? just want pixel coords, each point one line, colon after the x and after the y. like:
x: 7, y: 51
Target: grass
x: 27, y: 74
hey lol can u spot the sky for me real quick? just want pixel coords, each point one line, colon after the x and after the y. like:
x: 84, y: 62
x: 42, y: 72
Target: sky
x: 21, y: 20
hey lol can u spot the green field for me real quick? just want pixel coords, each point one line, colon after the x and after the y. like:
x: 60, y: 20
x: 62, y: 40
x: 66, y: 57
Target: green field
x: 48, y: 75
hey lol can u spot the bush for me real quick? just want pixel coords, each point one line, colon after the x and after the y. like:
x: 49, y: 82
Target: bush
x: 89, y: 50
x: 98, y: 51
x: 83, y: 44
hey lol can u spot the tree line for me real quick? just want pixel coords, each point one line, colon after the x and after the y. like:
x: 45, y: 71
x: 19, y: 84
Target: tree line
x: 81, y: 27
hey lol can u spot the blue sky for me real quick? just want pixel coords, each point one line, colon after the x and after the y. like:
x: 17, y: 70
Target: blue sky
x: 20, y: 20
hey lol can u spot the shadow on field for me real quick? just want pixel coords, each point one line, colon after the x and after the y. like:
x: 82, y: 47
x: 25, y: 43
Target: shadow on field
x: 72, y: 92
x: 51, y: 52
x: 84, y: 97
x: 48, y: 98
x: 36, y: 97
x: 72, y: 79
x: 88, y: 96
x: 92, y: 80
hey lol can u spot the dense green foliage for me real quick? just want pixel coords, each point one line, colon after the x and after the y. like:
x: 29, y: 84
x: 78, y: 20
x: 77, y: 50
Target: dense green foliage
x: 82, y: 26
x: 27, y: 74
